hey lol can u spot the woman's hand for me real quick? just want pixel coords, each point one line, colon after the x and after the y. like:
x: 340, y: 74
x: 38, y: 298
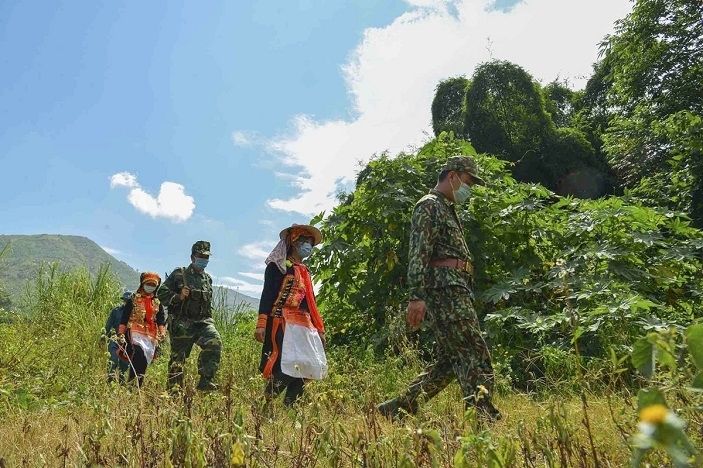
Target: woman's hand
x: 259, y: 334
x: 323, y: 339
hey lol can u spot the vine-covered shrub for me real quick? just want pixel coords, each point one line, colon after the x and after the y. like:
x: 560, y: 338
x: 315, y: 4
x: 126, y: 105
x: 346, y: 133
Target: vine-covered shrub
x: 551, y: 271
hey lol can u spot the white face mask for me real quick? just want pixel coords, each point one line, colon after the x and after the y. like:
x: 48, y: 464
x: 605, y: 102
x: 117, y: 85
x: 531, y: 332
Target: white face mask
x: 149, y: 288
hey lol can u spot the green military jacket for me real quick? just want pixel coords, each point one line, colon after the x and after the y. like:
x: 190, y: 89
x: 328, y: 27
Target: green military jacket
x: 435, y: 233
x: 198, y: 305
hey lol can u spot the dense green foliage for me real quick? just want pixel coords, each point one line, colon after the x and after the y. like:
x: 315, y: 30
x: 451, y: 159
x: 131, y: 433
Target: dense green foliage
x: 448, y: 106
x: 550, y: 270
x: 505, y: 112
x: 560, y: 101
x: 655, y: 92
x: 640, y: 113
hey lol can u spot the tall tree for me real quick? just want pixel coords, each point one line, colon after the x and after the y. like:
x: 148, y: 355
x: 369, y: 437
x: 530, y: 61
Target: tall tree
x: 656, y: 61
x: 505, y: 112
x: 448, y: 106
x: 559, y: 100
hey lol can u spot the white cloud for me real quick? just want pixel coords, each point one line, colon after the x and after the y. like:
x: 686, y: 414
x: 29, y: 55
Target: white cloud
x: 257, y: 251
x: 243, y: 287
x: 171, y: 202
x: 392, y: 74
x: 123, y: 179
x: 241, y: 138
x: 254, y: 276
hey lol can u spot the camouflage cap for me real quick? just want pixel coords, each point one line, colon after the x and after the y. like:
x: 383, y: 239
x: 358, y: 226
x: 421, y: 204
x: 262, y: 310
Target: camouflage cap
x: 201, y: 247
x: 463, y: 164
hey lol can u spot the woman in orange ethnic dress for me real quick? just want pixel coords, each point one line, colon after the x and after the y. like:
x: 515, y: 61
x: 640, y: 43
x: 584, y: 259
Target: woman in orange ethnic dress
x: 289, y: 325
x: 144, y: 325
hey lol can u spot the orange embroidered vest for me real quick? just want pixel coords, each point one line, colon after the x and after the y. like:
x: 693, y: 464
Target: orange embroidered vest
x: 143, y: 317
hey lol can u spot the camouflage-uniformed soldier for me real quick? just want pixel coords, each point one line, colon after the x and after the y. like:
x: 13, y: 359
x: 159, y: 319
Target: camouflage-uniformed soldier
x: 187, y: 292
x: 440, y: 277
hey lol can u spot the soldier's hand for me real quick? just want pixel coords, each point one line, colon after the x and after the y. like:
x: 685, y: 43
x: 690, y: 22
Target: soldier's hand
x: 259, y: 334
x: 185, y: 292
x: 416, y: 314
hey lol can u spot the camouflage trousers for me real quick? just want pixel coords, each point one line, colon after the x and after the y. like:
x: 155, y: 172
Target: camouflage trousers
x: 460, y: 352
x: 186, y: 333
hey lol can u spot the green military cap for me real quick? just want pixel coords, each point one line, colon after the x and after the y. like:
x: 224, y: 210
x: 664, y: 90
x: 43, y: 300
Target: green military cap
x: 463, y: 164
x: 201, y: 247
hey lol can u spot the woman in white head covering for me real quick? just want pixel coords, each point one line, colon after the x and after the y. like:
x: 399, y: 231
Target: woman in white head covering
x: 288, y: 307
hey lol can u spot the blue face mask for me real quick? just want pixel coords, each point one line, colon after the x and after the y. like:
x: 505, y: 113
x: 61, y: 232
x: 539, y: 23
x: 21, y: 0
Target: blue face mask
x: 463, y: 193
x: 200, y: 263
x: 304, y: 249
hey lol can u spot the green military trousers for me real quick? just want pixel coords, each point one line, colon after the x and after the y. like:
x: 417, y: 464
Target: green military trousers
x: 184, y: 334
x: 461, y: 352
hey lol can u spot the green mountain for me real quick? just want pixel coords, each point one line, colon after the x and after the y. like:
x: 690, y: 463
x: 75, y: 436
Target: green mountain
x: 23, y: 255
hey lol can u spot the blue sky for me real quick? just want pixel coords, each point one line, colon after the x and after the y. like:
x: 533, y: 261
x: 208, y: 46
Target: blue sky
x: 231, y: 106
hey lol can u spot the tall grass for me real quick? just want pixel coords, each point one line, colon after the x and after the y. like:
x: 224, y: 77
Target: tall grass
x: 57, y: 409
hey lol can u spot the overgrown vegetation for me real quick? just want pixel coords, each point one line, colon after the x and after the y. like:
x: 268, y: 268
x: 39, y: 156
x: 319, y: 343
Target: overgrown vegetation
x: 592, y: 306
x: 57, y: 409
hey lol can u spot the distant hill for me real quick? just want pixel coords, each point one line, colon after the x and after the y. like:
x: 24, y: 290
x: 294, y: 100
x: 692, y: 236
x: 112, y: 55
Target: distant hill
x: 26, y: 253
x: 235, y: 300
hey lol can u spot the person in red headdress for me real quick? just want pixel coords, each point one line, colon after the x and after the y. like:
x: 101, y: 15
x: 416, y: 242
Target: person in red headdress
x: 143, y: 326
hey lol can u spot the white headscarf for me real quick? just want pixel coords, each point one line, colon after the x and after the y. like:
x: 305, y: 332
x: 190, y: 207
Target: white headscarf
x: 278, y: 255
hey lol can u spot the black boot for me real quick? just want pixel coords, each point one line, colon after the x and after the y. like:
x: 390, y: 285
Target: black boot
x: 487, y: 412
x: 206, y: 385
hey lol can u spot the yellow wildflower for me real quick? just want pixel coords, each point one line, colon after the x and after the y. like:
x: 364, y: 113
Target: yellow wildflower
x: 237, y: 458
x: 654, y: 414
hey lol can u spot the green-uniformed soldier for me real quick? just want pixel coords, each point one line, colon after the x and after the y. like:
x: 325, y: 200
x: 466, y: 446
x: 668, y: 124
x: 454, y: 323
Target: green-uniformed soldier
x: 187, y: 292
x: 440, y: 277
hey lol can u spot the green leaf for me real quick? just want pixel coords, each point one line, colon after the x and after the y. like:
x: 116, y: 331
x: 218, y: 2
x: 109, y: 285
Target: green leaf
x: 694, y: 341
x: 459, y: 459
x: 648, y: 397
x: 317, y: 218
x: 698, y: 381
x: 643, y: 357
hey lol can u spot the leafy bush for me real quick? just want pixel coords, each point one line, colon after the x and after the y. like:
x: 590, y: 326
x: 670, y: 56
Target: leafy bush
x: 551, y: 271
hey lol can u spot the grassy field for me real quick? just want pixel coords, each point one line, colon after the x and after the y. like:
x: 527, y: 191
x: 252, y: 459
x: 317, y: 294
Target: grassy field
x: 56, y: 408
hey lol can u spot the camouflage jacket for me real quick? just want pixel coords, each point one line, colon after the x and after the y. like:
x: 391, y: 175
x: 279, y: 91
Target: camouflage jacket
x: 198, y: 305
x: 435, y: 233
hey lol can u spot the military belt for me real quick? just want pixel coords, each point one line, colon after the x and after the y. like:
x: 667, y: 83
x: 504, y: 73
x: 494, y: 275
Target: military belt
x: 457, y: 263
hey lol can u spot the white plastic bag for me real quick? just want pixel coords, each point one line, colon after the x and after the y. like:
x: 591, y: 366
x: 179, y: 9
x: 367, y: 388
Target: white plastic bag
x: 146, y: 343
x: 302, y: 354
